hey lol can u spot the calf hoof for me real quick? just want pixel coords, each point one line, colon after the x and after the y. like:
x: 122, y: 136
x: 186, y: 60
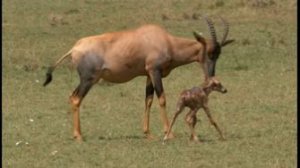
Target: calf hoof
x: 165, y: 139
x: 169, y: 136
x: 223, y: 139
x: 195, y: 139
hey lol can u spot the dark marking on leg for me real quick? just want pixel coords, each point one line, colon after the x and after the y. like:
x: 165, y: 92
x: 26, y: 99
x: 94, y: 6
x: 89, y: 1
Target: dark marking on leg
x: 87, y: 70
x: 156, y: 79
x: 149, y: 88
x: 148, y: 103
x: 76, y: 99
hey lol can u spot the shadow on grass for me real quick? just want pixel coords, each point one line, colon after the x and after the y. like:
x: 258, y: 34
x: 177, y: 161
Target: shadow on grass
x: 125, y: 137
x: 229, y: 137
x: 186, y: 136
x: 240, y: 137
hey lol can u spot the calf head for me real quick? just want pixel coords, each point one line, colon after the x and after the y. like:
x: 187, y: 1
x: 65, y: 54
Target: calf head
x: 215, y: 85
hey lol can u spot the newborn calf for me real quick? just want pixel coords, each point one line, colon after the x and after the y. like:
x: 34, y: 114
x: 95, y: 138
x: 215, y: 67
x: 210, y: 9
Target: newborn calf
x: 197, y: 98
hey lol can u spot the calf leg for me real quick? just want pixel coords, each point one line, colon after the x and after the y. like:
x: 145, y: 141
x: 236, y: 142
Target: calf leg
x: 148, y: 103
x: 191, y: 120
x: 179, y: 109
x: 207, y: 111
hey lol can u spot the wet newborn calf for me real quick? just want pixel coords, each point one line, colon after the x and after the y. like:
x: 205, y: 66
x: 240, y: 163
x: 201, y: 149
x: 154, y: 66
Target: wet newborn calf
x: 197, y: 98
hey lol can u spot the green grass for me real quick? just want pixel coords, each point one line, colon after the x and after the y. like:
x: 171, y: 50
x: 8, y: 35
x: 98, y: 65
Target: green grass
x: 258, y: 114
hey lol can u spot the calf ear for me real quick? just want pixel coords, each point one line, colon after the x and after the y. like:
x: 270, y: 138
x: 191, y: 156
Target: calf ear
x: 199, y: 37
x: 227, y: 42
x: 208, y: 81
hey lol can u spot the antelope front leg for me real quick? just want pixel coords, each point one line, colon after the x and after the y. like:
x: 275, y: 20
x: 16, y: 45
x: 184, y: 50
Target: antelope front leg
x: 206, y: 109
x: 156, y: 79
x: 148, y: 103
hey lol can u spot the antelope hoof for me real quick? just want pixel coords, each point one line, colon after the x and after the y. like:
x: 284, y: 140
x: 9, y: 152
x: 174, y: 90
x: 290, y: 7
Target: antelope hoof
x: 149, y: 136
x: 77, y: 137
x: 196, y: 141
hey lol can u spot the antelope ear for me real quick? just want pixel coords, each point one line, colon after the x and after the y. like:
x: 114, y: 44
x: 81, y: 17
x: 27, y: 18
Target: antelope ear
x: 199, y: 37
x: 227, y: 42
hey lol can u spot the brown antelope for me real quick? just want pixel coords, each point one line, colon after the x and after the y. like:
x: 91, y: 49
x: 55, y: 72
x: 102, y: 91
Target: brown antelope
x: 197, y: 98
x: 146, y: 51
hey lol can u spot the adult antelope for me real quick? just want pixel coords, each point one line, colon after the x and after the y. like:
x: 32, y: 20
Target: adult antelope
x: 146, y: 51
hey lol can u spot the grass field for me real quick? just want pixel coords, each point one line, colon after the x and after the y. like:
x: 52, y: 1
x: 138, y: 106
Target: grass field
x: 258, y: 114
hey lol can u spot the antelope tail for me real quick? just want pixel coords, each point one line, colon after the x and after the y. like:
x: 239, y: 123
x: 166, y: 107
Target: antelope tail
x: 51, y: 68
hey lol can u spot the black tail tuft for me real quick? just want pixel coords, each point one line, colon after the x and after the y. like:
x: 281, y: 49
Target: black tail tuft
x: 48, y: 76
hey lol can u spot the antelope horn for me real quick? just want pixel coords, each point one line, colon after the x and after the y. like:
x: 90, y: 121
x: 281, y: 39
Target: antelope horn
x: 226, y: 29
x: 211, y: 29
